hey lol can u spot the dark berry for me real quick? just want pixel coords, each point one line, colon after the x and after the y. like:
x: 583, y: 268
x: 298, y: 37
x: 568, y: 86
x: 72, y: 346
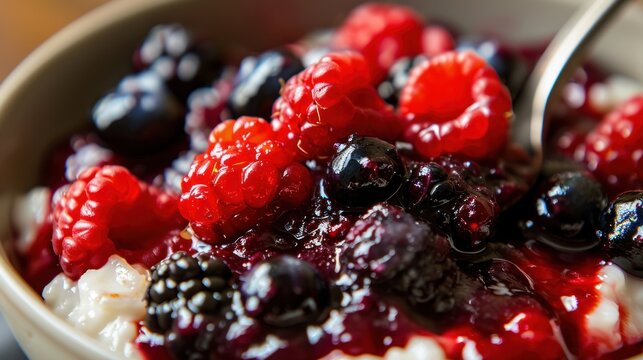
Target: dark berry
x: 171, y: 53
x: 398, y: 75
x: 186, y: 299
x: 207, y: 109
x: 510, y: 66
x: 364, y: 171
x: 384, y: 242
x: 456, y: 104
x: 259, y: 80
x: 503, y: 277
x: 429, y: 284
x: 621, y: 231
x: 454, y: 196
x: 396, y: 252
x: 382, y: 33
x: 140, y: 116
x: 285, y: 292
x: 329, y: 101
x: 201, y: 284
x: 567, y: 209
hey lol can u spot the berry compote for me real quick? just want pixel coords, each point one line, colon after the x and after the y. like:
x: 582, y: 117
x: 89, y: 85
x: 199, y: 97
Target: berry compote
x: 290, y: 209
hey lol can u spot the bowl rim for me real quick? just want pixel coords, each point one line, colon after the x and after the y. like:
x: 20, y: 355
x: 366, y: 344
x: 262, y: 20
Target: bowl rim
x: 16, y: 294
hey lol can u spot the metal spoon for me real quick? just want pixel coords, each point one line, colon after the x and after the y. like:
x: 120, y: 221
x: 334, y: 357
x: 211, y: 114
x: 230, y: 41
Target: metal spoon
x: 554, y: 68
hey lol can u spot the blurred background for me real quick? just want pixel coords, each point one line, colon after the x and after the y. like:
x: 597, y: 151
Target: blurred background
x: 24, y: 25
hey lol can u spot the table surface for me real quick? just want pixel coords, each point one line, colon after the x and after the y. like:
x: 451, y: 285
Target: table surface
x: 24, y: 25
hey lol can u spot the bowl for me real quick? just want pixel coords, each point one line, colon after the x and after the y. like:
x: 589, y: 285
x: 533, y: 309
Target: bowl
x: 51, y: 92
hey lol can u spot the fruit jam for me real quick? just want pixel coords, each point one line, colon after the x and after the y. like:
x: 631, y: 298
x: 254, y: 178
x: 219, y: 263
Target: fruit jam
x: 364, y: 199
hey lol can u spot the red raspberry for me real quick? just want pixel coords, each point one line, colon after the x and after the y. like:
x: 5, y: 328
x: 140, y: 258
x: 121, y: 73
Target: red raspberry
x: 436, y: 40
x: 108, y: 211
x: 383, y: 33
x: 329, y: 101
x: 456, y: 104
x: 614, y: 149
x: 246, y: 176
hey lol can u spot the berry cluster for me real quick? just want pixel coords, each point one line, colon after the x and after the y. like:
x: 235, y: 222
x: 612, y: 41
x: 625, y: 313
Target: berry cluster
x: 298, y: 235
x: 453, y: 195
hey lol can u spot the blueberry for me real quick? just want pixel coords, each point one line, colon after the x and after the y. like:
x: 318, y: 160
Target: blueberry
x: 621, y: 231
x: 566, y: 211
x: 454, y: 196
x: 364, y: 171
x: 285, y: 291
x: 398, y: 75
x: 474, y: 222
x: 170, y: 51
x: 509, y: 65
x: 259, y: 81
x: 384, y: 242
x: 140, y: 116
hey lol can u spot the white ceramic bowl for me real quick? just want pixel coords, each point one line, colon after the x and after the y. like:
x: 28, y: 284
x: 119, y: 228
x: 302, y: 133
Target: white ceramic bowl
x: 51, y: 92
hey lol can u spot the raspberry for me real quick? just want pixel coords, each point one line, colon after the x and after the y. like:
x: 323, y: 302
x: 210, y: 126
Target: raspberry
x: 328, y: 101
x: 456, y: 104
x: 383, y: 33
x: 107, y: 211
x: 614, y: 149
x: 436, y: 40
x: 245, y: 176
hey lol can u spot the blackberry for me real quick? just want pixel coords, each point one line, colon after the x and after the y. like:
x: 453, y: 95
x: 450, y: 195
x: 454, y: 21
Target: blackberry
x: 398, y: 75
x: 394, y: 251
x: 364, y: 171
x: 621, y: 231
x: 259, y: 80
x: 140, y: 117
x: 429, y: 283
x: 453, y: 195
x: 187, y: 300
x: 170, y: 51
x: 383, y: 242
x: 566, y: 211
x: 285, y: 292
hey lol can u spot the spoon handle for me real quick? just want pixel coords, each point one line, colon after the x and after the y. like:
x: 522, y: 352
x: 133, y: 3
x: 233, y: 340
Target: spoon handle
x: 555, y: 67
